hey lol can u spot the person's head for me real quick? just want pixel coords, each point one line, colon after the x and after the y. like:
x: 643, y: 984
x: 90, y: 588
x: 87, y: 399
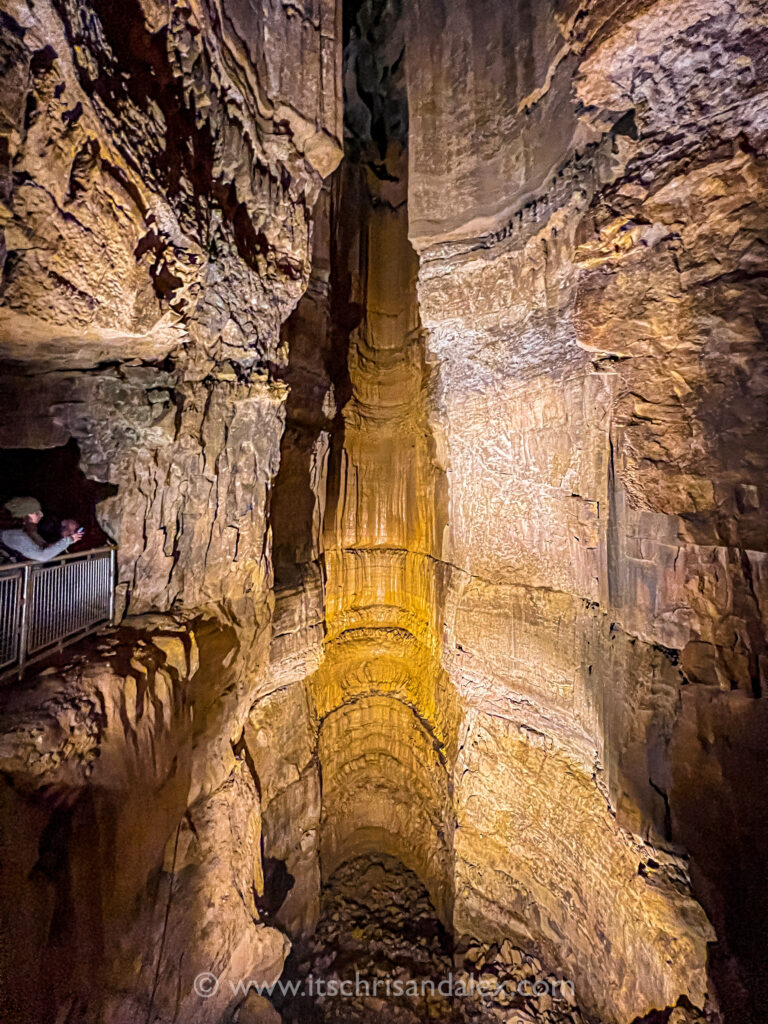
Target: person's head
x: 28, y: 510
x: 69, y: 527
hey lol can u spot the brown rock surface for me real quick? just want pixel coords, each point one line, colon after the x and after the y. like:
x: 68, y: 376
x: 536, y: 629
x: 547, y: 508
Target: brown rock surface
x: 160, y: 164
x: 439, y: 490
x: 159, y: 168
x: 127, y: 754
x: 599, y: 373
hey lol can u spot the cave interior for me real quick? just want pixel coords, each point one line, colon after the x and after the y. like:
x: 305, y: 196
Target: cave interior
x: 412, y: 358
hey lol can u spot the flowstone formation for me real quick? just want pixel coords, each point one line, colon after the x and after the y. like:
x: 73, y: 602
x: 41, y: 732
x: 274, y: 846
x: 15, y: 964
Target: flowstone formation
x: 433, y: 743
x: 415, y: 355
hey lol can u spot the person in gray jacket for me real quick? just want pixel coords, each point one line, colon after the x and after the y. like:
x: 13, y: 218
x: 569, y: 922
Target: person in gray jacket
x: 22, y: 537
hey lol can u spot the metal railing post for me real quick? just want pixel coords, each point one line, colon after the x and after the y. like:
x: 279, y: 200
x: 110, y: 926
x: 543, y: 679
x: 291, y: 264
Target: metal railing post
x: 112, y: 584
x: 26, y: 601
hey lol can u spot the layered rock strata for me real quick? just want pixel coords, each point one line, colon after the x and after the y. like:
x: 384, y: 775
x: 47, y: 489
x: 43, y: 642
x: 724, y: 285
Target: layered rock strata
x: 596, y: 331
x: 160, y: 165
x: 464, y: 562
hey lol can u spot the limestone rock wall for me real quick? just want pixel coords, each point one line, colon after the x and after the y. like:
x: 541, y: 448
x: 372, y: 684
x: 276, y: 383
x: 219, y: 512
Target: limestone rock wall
x: 593, y: 315
x: 159, y: 168
x: 476, y: 538
x: 596, y: 533
x: 160, y: 163
x: 106, y: 764
x: 357, y: 553
x: 380, y: 676
x: 439, y: 488
x: 191, y: 463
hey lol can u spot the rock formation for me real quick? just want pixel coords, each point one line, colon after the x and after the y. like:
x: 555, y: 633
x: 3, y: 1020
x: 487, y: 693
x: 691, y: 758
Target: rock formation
x: 419, y: 354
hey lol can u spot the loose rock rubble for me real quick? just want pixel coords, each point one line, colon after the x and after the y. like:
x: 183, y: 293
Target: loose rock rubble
x: 379, y: 933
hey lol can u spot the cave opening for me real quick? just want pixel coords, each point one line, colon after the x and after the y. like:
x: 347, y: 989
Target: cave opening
x: 54, y: 476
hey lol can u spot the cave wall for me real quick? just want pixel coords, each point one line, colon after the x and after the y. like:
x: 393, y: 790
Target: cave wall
x: 596, y: 322
x: 160, y: 163
x: 160, y: 166
x: 384, y: 712
x: 556, y: 599
x: 440, y: 486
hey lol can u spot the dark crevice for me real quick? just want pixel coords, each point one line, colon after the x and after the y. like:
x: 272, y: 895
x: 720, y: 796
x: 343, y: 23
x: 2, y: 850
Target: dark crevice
x: 278, y: 882
x: 240, y: 749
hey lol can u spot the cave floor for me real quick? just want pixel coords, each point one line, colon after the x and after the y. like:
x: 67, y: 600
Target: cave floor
x: 379, y: 933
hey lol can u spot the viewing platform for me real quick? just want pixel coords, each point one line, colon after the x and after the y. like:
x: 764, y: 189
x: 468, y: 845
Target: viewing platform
x: 46, y: 605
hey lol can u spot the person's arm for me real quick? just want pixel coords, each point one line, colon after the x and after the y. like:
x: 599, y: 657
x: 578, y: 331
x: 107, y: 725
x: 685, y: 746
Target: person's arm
x: 18, y: 541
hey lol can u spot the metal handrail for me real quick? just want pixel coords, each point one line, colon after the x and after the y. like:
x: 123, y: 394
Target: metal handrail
x: 46, y: 605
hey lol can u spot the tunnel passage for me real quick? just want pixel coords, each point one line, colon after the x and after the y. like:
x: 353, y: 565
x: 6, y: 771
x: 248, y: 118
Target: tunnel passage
x: 358, y: 507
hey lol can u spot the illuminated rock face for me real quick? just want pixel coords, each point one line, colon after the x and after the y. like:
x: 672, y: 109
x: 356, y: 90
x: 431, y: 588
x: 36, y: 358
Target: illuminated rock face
x: 596, y: 337
x: 163, y: 159
x: 159, y: 167
x: 464, y: 561
x: 386, y: 715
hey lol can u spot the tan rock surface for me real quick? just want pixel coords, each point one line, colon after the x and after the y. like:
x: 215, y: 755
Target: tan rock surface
x: 159, y: 165
x: 109, y: 762
x: 464, y: 561
x: 603, y: 451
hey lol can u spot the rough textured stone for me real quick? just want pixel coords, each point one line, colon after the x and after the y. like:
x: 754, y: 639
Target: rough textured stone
x: 598, y: 372
x: 109, y: 762
x: 159, y: 167
x: 380, y: 949
x: 463, y: 562
x: 258, y: 1010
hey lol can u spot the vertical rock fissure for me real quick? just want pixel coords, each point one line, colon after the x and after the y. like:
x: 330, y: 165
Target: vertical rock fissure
x: 433, y: 743
x: 384, y: 719
x: 461, y: 566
